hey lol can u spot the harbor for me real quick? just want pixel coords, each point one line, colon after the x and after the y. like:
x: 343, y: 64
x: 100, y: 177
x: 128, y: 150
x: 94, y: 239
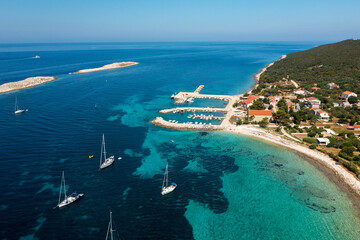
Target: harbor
x: 207, y: 118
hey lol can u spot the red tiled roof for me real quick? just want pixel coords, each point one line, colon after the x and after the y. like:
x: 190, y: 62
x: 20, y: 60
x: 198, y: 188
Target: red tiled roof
x: 312, y: 99
x: 315, y: 88
x: 347, y: 92
x: 356, y: 126
x: 260, y: 112
x: 252, y: 97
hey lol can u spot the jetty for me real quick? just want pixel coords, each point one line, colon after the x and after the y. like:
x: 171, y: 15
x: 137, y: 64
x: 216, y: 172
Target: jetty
x: 159, y: 121
x: 192, y: 109
x: 182, y: 97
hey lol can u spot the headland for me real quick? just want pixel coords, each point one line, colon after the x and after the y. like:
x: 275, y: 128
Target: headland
x: 26, y: 83
x: 107, y: 67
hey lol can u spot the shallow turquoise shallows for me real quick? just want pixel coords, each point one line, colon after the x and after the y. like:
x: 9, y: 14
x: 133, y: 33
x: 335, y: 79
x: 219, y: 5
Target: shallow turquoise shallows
x: 229, y: 186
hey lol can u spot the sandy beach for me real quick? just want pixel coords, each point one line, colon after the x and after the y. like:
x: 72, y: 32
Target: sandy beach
x: 338, y: 170
x: 28, y: 82
x: 107, y: 67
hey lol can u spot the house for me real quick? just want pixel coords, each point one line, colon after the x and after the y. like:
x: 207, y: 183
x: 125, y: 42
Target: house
x: 332, y: 85
x: 313, y: 102
x: 259, y: 115
x: 249, y: 101
x: 320, y: 113
x: 315, y: 88
x: 345, y: 104
x: 350, y: 128
x: 356, y: 127
x: 323, y: 141
x: 290, y: 104
x: 335, y: 104
x: 299, y: 92
x: 348, y: 94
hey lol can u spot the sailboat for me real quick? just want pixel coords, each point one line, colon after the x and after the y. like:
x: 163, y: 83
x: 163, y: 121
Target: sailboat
x: 166, y: 188
x: 110, y: 229
x: 17, y: 110
x: 107, y: 161
x: 67, y: 199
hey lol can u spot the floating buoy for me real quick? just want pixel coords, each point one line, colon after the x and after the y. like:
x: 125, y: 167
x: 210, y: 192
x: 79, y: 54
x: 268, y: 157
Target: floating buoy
x: 119, y: 158
x: 91, y: 156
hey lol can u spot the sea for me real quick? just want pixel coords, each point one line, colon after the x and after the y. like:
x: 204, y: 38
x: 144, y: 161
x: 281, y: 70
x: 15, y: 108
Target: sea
x: 229, y: 186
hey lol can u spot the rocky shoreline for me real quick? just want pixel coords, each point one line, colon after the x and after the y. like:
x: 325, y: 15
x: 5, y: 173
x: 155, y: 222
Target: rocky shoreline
x: 107, y: 67
x: 26, y: 83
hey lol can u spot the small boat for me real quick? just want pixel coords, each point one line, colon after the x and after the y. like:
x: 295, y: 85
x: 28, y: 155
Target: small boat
x: 166, y: 188
x: 190, y: 100
x: 36, y: 56
x: 190, y: 116
x: 119, y: 158
x: 17, y: 110
x: 107, y: 161
x: 67, y: 199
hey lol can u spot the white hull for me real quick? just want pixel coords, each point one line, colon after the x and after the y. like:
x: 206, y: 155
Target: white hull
x: 109, y: 161
x: 19, y: 111
x: 168, y: 189
x: 70, y: 199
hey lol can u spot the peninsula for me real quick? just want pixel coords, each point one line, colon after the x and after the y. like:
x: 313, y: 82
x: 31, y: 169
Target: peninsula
x: 303, y: 102
x: 107, y: 67
x: 28, y: 82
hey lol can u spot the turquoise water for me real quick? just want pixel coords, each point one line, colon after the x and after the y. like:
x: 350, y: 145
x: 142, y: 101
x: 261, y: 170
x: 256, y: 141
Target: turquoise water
x: 229, y: 187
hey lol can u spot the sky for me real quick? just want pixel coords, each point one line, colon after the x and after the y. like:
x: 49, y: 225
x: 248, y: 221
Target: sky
x: 48, y: 21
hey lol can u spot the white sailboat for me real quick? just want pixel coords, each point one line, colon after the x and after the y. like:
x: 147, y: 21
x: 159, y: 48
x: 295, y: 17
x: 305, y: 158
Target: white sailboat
x: 110, y: 229
x: 67, y: 199
x: 107, y: 161
x: 17, y: 110
x: 166, y: 188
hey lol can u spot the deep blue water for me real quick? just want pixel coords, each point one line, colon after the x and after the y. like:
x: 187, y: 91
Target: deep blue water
x: 230, y: 187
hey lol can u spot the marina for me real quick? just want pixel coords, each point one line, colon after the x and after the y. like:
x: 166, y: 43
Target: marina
x: 209, y: 116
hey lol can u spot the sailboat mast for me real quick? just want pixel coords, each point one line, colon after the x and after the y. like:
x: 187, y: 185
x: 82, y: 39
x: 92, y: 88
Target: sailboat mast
x: 111, y: 229
x: 104, y: 147
x: 61, y: 187
x: 63, y: 176
x: 165, y: 180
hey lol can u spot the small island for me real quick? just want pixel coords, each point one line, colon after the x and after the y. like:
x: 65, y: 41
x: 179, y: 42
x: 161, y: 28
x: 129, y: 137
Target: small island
x: 107, y: 67
x: 28, y: 82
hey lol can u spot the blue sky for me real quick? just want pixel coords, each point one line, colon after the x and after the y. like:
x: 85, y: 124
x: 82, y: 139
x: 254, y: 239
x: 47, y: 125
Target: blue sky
x: 33, y: 21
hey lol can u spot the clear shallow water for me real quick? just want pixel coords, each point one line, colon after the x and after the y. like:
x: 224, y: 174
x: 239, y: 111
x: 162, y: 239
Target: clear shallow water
x: 230, y: 187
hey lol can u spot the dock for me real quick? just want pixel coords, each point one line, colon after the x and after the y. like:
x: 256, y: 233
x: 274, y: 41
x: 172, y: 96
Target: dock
x: 192, y: 109
x: 159, y: 121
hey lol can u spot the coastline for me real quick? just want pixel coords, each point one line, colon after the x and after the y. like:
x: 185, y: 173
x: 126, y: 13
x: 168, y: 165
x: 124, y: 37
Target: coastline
x: 257, y: 75
x: 333, y: 170
x: 26, y: 83
x: 107, y: 67
x: 327, y: 163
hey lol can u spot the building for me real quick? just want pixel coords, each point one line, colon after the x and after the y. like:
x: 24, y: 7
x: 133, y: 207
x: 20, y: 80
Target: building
x: 313, y: 102
x: 348, y: 94
x: 332, y: 85
x: 259, y: 115
x: 323, y: 141
x: 249, y: 101
x: 335, y: 104
x: 299, y: 92
x: 356, y: 127
x: 315, y: 88
x: 321, y: 114
x: 290, y: 104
